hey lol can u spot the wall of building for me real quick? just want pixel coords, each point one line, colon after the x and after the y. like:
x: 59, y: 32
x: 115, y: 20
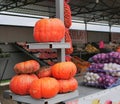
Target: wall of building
x: 97, y: 36
x: 15, y: 33
x: 80, y: 37
x: 22, y: 34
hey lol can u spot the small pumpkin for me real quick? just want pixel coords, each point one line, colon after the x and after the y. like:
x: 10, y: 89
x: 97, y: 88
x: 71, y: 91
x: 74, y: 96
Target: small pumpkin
x: 29, y: 66
x: 46, y: 87
x: 20, y: 84
x: 49, y: 30
x: 68, y: 85
x: 44, y: 71
x: 64, y: 70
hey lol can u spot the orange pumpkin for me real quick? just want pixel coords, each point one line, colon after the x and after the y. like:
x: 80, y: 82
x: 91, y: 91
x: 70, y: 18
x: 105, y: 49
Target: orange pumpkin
x: 44, y: 71
x: 46, y: 87
x: 68, y: 85
x: 49, y: 30
x: 20, y: 84
x: 64, y: 86
x: 64, y: 70
x: 73, y: 84
x: 29, y: 66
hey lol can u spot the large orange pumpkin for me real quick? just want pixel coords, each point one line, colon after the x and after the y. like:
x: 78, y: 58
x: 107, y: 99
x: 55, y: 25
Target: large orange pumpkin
x: 29, y: 66
x: 44, y: 71
x: 46, y: 87
x: 49, y: 30
x: 64, y: 70
x: 20, y: 84
x: 68, y: 85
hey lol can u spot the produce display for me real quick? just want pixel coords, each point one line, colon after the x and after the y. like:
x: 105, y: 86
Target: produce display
x: 104, y: 70
x: 91, y: 49
x: 100, y: 80
x: 108, y: 68
x: 113, y: 57
x: 39, y: 82
x: 81, y: 64
x: 50, y: 80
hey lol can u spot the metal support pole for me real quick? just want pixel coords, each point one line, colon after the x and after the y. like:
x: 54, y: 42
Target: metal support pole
x: 85, y: 25
x: 60, y: 15
x: 86, y: 29
x: 60, y: 9
x: 109, y: 32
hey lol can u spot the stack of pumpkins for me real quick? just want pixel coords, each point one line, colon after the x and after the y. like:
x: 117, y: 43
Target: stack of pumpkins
x: 58, y: 78
x: 43, y: 82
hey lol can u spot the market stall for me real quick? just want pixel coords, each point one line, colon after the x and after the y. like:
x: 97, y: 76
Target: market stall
x: 95, y: 82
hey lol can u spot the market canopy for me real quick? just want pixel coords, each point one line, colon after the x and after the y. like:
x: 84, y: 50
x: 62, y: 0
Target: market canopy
x: 103, y: 11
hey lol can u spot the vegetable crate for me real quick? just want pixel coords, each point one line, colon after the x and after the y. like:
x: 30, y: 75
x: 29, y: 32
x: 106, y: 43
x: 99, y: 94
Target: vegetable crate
x: 81, y: 64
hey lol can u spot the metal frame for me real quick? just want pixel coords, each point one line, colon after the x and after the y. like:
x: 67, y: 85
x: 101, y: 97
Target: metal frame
x: 52, y: 45
x: 29, y: 100
x: 60, y: 14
